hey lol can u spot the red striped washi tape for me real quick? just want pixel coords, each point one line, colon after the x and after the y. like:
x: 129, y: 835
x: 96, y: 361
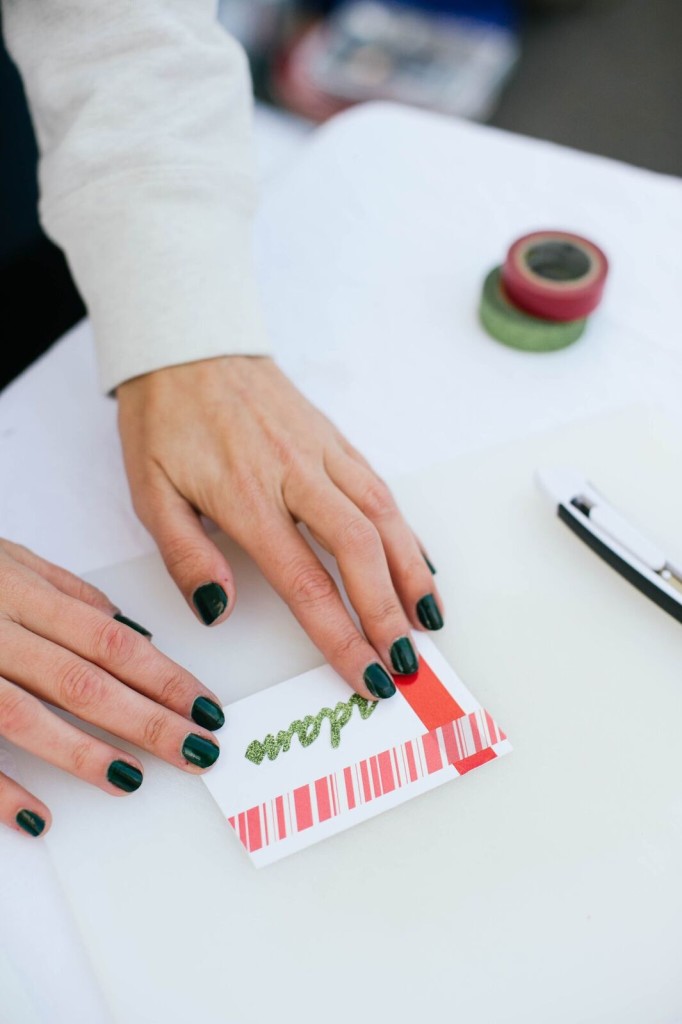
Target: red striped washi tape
x: 465, y: 743
x: 555, y: 275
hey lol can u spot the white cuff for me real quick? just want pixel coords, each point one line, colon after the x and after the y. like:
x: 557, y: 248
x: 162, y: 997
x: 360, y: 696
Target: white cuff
x: 176, y: 282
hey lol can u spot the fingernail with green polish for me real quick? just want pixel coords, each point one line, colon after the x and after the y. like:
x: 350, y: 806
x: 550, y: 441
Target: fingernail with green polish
x: 208, y: 714
x: 30, y: 822
x: 200, y: 751
x: 428, y: 613
x: 210, y: 601
x: 124, y: 776
x: 404, y: 657
x: 432, y: 568
x: 133, y: 625
x: 378, y: 681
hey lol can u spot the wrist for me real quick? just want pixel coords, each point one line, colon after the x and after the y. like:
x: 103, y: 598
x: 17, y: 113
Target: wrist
x: 196, y: 374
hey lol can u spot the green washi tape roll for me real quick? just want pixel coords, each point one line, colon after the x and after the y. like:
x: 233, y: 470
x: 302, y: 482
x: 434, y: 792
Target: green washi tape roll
x: 510, y: 325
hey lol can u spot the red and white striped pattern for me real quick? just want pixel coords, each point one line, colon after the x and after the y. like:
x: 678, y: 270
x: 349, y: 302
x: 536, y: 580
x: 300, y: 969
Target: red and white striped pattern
x: 464, y: 744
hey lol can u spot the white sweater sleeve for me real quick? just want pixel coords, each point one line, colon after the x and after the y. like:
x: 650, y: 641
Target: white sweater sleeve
x: 142, y: 110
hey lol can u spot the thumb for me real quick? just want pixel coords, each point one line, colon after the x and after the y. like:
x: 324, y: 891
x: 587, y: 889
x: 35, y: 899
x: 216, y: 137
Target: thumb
x: 200, y: 570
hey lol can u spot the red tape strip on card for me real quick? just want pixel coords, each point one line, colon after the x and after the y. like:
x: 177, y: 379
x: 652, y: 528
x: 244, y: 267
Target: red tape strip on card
x: 428, y: 698
x: 555, y: 275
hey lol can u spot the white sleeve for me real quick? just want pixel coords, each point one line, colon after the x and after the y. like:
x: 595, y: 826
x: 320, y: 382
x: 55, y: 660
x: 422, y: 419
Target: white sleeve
x: 142, y: 110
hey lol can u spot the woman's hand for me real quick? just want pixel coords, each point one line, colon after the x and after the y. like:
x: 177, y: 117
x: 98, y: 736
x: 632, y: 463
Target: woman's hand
x: 60, y: 643
x: 232, y: 438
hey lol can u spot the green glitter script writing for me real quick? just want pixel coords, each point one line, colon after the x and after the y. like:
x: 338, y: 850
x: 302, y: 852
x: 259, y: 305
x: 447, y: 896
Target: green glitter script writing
x: 308, y: 729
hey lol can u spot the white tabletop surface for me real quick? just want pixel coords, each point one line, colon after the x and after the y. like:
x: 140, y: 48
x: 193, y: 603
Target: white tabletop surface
x: 371, y: 250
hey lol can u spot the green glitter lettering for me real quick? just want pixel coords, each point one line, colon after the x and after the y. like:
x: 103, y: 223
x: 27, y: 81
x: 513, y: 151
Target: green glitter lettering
x: 308, y: 729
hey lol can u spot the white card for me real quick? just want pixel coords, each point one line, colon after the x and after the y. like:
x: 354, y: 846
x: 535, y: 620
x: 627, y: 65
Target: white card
x: 282, y: 789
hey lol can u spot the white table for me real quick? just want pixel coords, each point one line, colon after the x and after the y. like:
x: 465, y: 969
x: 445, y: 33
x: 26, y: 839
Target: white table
x: 371, y: 252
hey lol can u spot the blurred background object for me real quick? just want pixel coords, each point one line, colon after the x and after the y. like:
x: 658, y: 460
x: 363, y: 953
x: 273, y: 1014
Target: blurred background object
x: 599, y: 75
x: 316, y: 59
x: 450, y: 57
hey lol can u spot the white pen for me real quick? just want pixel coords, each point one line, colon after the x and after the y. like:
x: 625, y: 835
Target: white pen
x: 638, y: 559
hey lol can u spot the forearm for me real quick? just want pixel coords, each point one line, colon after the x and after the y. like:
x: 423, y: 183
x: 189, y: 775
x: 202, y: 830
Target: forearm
x: 142, y: 112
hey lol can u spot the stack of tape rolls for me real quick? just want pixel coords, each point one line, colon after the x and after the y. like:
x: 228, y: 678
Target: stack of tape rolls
x: 540, y: 298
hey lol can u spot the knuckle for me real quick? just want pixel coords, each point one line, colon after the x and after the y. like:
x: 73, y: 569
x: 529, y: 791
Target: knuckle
x: 249, y: 488
x: 378, y: 501
x: 154, y: 729
x: 81, y: 756
x: 88, y: 594
x: 310, y: 585
x: 79, y: 687
x: 285, y: 449
x: 416, y: 574
x: 383, y: 610
x: 358, y: 534
x: 114, y: 642
x: 11, y: 583
x: 181, y: 555
x: 13, y: 549
x: 173, y: 690
x: 347, y: 645
x: 15, y: 713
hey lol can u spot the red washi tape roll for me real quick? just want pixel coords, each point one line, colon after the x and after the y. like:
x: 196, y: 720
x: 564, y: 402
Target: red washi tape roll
x: 555, y: 275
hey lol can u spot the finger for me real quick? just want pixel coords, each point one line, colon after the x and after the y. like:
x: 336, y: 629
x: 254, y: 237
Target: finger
x: 22, y: 811
x: 410, y: 570
x: 99, y: 639
x: 60, y: 578
x: 67, y: 681
x: 359, y: 458
x: 300, y: 579
x: 200, y: 571
x: 355, y: 543
x: 30, y: 725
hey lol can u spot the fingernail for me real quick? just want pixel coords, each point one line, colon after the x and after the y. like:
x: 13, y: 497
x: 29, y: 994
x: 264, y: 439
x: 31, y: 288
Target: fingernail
x: 404, y: 657
x: 210, y: 601
x: 124, y: 776
x: 428, y: 613
x: 378, y: 681
x: 133, y: 625
x: 208, y: 714
x: 30, y: 822
x: 432, y: 568
x: 200, y: 751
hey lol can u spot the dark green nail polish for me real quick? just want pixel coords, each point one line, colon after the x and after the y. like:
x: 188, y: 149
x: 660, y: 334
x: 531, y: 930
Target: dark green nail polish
x: 133, y: 625
x: 30, y: 822
x: 124, y: 776
x: 210, y: 601
x: 404, y: 657
x: 200, y: 751
x: 432, y: 568
x: 428, y: 613
x: 208, y: 714
x: 378, y: 681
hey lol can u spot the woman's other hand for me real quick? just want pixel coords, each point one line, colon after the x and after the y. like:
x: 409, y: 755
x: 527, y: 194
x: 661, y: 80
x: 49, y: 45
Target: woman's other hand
x: 61, y: 645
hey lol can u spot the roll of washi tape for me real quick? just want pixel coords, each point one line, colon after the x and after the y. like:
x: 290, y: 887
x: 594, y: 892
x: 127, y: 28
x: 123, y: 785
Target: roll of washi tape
x: 513, y: 327
x: 555, y: 275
